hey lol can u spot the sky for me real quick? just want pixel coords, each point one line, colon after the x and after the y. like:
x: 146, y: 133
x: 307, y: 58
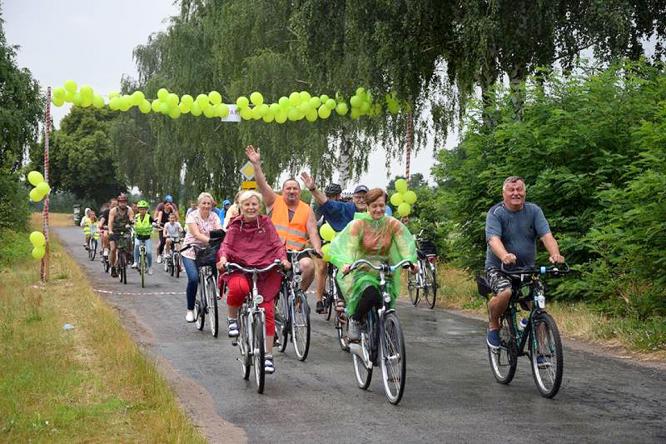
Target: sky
x: 91, y: 42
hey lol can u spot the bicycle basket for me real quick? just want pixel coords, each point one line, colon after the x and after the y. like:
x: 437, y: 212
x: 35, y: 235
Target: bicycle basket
x: 426, y: 247
x: 207, y: 256
x: 482, y: 285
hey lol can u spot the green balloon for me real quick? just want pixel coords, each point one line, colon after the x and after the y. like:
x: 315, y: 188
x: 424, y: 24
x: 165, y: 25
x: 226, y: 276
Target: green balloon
x: 162, y: 94
x: 155, y: 105
x: 184, y: 107
x: 144, y: 106
x: 281, y: 116
x: 187, y: 99
x: 396, y: 199
x: 342, y: 109
x: 35, y: 195
x: 37, y: 239
x: 311, y: 115
x: 59, y: 92
x: 86, y: 102
x: 330, y: 104
x: 324, y: 98
x: 404, y: 209
x: 125, y: 103
x: 355, y: 101
x: 215, y: 97
x: 38, y: 252
x: 305, y: 107
x: 246, y: 113
x: 172, y: 100
x: 292, y: 114
x: 174, y: 112
x: 256, y: 113
x: 77, y: 99
x: 114, y: 103
x: 222, y: 110
x: 209, y: 111
x: 274, y: 107
x: 409, y: 196
x: 98, y: 101
x: 242, y: 102
x: 324, y: 112
x: 195, y: 110
x: 43, y: 188
x: 294, y: 99
x: 70, y: 85
x: 269, y: 116
x: 164, y: 108
x: 58, y: 101
x: 315, y: 102
x: 35, y: 178
x: 256, y: 98
x: 263, y: 109
x: 305, y: 96
x: 283, y: 102
x: 360, y: 92
x: 355, y: 113
x: 401, y: 185
x: 365, y: 107
x: 137, y: 98
x: 327, y: 232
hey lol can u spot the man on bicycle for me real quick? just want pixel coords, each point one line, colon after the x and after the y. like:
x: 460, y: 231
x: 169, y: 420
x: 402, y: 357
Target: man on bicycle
x: 337, y: 213
x: 119, y: 218
x: 294, y: 220
x: 143, y: 227
x: 512, y: 228
x: 103, y: 225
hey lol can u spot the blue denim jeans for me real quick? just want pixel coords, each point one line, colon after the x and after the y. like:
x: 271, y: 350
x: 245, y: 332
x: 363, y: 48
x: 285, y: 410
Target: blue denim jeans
x: 149, y: 251
x: 192, y: 272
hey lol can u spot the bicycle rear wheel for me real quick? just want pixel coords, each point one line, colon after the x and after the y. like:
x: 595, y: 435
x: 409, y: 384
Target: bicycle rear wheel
x: 244, y: 346
x: 122, y: 266
x: 430, y: 288
x: 504, y: 360
x: 329, y: 299
x: 92, y: 249
x: 392, y: 358
x: 259, y: 353
x: 176, y: 265
x: 341, y: 328
x: 142, y: 268
x: 282, y: 319
x: 300, y: 325
x: 413, y: 290
x: 211, y: 294
x: 546, y: 355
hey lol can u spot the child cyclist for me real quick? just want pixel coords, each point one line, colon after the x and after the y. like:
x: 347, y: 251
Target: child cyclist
x: 172, y: 229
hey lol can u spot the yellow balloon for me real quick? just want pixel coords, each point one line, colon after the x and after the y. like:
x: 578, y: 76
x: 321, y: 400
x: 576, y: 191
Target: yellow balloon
x: 37, y: 239
x: 43, y: 188
x: 409, y: 197
x: 401, y: 185
x: 326, y: 250
x: 38, y: 252
x: 327, y: 232
x: 35, y: 195
x: 396, y: 199
x: 404, y: 209
x: 35, y: 177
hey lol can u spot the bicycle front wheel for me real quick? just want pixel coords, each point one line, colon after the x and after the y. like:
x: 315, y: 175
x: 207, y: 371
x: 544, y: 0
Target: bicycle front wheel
x: 546, y: 355
x: 211, y: 294
x: 430, y: 287
x: 122, y: 267
x: 142, y: 268
x: 413, y: 289
x: 504, y: 360
x: 176, y: 265
x: 392, y: 358
x: 329, y: 299
x: 300, y: 325
x: 200, y: 307
x: 282, y: 320
x: 244, y: 347
x: 259, y: 353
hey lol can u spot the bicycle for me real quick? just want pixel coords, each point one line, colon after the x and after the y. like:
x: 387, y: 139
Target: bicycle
x: 334, y: 301
x: 426, y: 278
x: 540, y: 334
x: 252, y: 320
x: 206, y: 299
x: 292, y: 312
x: 382, y: 342
x: 92, y: 242
x: 104, y: 259
x: 124, y: 252
x: 172, y: 260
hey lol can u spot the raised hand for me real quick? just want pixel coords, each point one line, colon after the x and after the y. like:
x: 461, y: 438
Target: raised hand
x: 252, y: 154
x: 308, y: 180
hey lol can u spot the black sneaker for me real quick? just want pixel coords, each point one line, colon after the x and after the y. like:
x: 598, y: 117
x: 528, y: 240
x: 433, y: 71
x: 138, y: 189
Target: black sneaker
x: 320, y: 307
x: 114, y: 273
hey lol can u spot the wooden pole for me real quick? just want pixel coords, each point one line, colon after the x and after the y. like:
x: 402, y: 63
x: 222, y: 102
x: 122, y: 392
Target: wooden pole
x: 45, y: 214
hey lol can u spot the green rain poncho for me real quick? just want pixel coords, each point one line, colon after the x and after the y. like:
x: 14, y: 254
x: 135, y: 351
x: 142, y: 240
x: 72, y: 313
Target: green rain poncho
x: 384, y: 240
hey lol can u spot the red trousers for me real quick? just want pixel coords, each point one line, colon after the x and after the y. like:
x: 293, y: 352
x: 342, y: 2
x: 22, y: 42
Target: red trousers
x: 238, y: 286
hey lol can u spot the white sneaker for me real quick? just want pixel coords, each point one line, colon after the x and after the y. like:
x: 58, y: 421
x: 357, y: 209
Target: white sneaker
x: 135, y: 265
x: 159, y: 259
x: 189, y: 317
x: 150, y: 270
x: 106, y: 252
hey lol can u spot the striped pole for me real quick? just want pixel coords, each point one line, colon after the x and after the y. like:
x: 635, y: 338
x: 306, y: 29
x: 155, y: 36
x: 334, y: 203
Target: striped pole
x: 45, y: 215
x: 409, y: 145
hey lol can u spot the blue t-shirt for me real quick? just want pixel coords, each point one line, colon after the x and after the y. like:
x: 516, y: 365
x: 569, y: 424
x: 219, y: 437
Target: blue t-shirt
x: 220, y: 214
x: 337, y: 213
x: 518, y: 230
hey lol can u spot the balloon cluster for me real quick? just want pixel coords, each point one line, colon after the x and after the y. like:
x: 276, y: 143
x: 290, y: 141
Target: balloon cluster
x: 403, y: 198
x: 41, y: 187
x: 38, y: 242
x: 328, y: 234
x: 297, y: 106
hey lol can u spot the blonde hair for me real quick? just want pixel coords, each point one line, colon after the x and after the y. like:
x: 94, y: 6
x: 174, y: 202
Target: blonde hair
x: 203, y: 196
x: 249, y: 194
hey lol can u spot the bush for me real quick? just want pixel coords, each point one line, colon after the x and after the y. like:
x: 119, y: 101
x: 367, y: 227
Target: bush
x: 13, y: 204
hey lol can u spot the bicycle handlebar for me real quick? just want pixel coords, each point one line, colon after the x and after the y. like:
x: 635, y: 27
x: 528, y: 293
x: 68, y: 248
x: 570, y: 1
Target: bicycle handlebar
x: 229, y: 265
x: 298, y: 253
x: 381, y: 267
x: 554, y: 270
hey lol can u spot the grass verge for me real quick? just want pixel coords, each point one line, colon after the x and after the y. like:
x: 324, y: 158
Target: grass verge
x: 87, y: 384
x: 457, y: 290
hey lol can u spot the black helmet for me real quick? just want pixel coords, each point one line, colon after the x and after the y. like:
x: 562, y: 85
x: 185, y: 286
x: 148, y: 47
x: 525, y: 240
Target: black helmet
x: 332, y: 189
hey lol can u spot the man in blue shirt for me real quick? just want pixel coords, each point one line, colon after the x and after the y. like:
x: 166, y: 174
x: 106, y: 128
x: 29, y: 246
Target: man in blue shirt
x: 512, y: 229
x: 337, y: 214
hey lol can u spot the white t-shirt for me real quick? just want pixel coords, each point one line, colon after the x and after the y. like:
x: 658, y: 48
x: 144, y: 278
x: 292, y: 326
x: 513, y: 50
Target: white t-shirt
x: 173, y: 229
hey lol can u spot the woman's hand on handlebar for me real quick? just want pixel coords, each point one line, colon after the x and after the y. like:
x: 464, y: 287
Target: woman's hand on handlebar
x: 286, y: 264
x: 346, y: 268
x: 222, y: 263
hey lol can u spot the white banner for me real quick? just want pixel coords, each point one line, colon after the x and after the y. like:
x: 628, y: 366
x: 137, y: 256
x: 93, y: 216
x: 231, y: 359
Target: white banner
x: 234, y: 115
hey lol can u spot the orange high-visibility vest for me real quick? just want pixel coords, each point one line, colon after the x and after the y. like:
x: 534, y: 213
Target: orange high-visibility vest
x: 293, y: 234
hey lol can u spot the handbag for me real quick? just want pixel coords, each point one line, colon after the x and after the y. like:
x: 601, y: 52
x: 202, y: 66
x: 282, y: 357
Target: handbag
x: 206, y: 256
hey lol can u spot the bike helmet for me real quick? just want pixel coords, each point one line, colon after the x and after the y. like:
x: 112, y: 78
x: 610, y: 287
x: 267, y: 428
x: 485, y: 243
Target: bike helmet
x: 122, y: 197
x: 142, y: 204
x: 332, y: 189
x: 168, y: 198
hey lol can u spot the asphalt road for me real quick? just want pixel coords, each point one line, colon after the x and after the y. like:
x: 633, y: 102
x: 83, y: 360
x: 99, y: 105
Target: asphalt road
x: 450, y: 395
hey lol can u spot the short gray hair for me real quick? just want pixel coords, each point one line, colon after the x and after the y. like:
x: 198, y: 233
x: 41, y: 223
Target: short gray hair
x: 249, y: 194
x: 513, y: 179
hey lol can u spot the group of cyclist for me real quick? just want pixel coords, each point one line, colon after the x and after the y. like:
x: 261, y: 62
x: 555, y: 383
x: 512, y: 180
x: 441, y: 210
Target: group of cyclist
x: 364, y: 231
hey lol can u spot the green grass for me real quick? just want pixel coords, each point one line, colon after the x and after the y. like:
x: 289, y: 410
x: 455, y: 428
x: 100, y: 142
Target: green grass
x: 15, y: 247
x: 89, y: 384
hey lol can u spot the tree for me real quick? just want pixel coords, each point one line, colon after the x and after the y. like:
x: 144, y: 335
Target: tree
x: 82, y: 156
